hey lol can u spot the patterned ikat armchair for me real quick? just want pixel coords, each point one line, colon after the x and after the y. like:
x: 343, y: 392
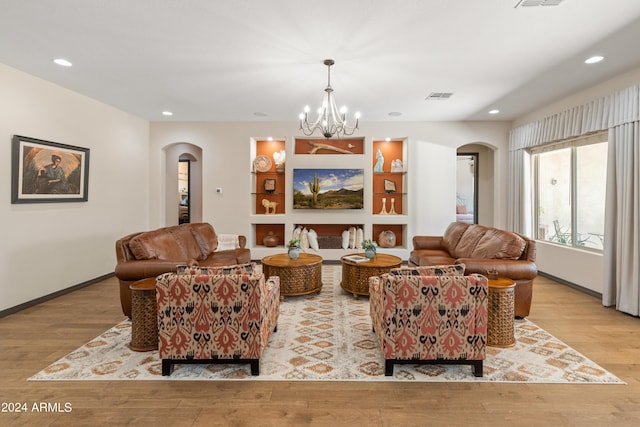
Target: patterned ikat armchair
x: 215, y: 315
x: 430, y: 315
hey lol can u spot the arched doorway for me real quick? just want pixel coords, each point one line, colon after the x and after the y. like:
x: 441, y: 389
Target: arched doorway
x: 479, y: 160
x: 178, y: 156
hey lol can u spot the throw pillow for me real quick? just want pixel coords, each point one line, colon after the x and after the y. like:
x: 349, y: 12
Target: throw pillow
x: 345, y: 239
x: 296, y: 233
x: 313, y: 240
x: 227, y: 242
x: 359, y: 238
x: 304, y: 239
x: 352, y: 237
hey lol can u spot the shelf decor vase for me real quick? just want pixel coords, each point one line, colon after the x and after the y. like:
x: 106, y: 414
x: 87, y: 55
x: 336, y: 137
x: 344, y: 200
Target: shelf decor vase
x: 370, y: 253
x: 270, y: 240
x: 294, y: 253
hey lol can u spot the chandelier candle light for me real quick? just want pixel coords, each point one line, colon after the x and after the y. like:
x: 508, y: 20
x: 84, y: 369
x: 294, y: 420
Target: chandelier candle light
x: 330, y: 121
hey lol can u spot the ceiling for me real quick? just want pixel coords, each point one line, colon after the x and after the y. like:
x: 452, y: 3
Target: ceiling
x: 257, y: 60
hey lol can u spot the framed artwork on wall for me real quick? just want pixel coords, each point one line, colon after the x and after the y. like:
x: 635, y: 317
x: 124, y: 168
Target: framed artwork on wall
x: 328, y: 188
x: 48, y: 172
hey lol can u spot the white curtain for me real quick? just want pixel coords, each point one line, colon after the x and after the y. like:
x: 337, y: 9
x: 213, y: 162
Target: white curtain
x: 519, y: 208
x: 619, y: 113
x: 622, y: 220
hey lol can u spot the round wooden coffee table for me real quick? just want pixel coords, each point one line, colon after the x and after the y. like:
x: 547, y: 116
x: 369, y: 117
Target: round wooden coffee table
x: 355, y: 275
x: 500, y: 323
x: 300, y: 276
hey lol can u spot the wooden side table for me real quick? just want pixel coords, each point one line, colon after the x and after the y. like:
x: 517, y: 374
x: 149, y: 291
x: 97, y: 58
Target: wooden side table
x: 144, y: 315
x: 501, y: 307
x: 355, y: 275
x: 299, y: 276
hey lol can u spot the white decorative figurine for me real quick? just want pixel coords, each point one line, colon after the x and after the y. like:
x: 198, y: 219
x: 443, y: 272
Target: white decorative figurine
x: 397, y: 166
x: 279, y: 158
x: 384, y: 206
x: 393, y: 207
x: 380, y: 162
x: 269, y: 207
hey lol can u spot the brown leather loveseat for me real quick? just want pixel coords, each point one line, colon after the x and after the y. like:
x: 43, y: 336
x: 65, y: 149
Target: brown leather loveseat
x: 151, y: 253
x: 481, y: 249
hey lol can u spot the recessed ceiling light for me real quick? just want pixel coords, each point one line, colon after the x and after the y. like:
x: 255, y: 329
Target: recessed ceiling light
x: 494, y: 111
x: 395, y: 114
x: 594, y: 59
x: 167, y: 113
x: 63, y: 62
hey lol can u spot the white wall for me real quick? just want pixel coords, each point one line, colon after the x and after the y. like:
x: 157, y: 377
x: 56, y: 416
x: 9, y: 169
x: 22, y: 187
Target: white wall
x: 577, y: 266
x: 52, y: 246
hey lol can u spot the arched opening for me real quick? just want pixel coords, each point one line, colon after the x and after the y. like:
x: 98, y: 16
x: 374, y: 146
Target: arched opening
x: 183, y: 183
x: 184, y: 187
x: 477, y: 161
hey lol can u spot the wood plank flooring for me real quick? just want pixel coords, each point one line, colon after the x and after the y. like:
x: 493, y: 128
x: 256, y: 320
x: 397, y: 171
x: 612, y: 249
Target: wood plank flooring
x: 36, y: 337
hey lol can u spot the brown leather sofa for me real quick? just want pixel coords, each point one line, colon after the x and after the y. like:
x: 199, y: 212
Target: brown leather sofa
x: 481, y: 249
x: 148, y: 254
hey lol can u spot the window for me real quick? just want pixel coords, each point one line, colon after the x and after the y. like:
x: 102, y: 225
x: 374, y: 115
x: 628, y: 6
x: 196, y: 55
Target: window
x: 569, y: 193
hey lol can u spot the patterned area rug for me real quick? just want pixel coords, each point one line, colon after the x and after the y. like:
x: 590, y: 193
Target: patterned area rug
x: 328, y: 337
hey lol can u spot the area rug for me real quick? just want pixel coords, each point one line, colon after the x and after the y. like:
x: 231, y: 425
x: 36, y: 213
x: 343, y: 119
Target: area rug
x: 328, y: 336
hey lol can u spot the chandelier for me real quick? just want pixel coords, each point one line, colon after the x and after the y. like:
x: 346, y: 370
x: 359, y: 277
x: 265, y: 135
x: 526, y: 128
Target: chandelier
x: 330, y: 121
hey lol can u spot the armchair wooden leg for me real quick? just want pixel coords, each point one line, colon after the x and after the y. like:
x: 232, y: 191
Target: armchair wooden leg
x: 388, y: 367
x: 477, y: 368
x: 255, y: 367
x: 167, y: 367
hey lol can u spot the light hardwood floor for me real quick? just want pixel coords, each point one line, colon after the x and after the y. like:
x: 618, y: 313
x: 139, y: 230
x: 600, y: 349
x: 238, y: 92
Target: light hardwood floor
x: 36, y: 337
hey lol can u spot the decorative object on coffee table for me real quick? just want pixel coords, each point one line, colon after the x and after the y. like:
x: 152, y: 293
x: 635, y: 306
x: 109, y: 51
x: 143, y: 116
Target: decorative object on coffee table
x: 355, y: 275
x: 369, y: 247
x: 270, y: 240
x: 299, y: 276
x: 387, y: 239
x: 294, y: 249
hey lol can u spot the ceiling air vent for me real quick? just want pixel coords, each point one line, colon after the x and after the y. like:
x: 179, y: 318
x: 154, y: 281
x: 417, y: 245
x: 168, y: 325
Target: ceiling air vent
x: 438, y: 96
x: 530, y: 3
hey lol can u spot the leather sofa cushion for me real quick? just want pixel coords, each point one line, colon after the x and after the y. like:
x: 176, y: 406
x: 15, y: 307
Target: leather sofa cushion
x: 430, y: 257
x: 499, y: 244
x: 221, y: 258
x: 169, y: 243
x: 452, y: 235
x: 206, y: 237
x: 468, y: 241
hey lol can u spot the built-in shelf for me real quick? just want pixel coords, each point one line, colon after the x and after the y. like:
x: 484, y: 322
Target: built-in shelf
x: 329, y: 224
